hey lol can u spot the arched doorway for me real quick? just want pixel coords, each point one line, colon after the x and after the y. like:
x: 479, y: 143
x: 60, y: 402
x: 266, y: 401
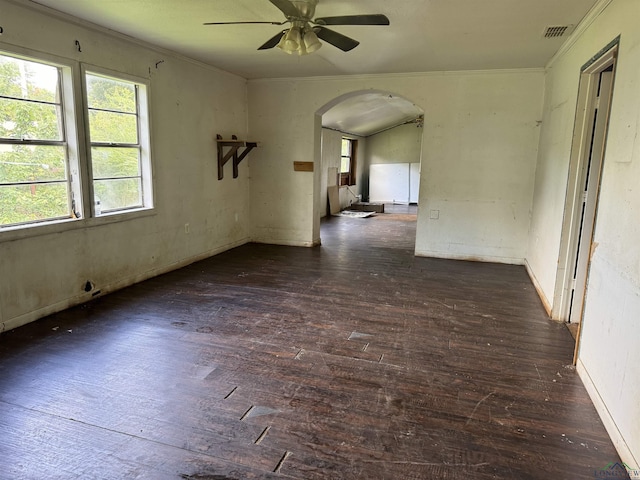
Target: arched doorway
x: 368, y: 147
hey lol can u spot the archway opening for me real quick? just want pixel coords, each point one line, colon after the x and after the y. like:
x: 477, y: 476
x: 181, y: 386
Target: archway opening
x: 368, y: 154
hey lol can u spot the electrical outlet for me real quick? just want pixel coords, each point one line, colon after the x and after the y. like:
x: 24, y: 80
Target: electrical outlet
x: 187, y: 228
x: 434, y: 214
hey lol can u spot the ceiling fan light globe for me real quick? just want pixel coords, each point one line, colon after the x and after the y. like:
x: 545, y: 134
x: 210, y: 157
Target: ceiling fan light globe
x: 311, y: 42
x: 285, y: 49
x: 290, y: 41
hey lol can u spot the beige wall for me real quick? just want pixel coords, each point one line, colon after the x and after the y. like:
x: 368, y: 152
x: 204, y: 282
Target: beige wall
x: 44, y: 269
x: 481, y: 141
x: 609, y: 357
x: 478, y: 157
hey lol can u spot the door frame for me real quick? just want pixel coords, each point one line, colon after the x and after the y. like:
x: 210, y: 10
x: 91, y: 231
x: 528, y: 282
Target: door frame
x: 578, y: 168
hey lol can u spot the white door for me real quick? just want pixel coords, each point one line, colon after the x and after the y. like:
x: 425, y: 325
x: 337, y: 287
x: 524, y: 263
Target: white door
x: 591, y: 173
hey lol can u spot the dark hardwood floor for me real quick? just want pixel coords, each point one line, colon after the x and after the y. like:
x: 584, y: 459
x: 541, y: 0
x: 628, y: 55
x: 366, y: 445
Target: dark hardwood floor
x: 354, y: 360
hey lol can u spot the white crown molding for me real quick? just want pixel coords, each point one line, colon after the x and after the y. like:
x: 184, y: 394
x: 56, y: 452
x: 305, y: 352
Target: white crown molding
x: 442, y: 73
x: 50, y: 12
x: 584, y: 24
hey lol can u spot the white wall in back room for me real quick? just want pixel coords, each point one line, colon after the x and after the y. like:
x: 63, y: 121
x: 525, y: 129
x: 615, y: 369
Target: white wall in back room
x: 401, y: 144
x: 397, y: 145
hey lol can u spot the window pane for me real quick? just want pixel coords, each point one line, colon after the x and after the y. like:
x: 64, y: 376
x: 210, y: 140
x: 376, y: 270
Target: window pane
x: 29, y: 163
x: 119, y: 167
x: 28, y: 80
x: 108, y: 94
x: 346, y: 147
x: 113, y: 127
x: 27, y: 120
x: 345, y: 165
x: 28, y: 203
x: 118, y: 194
x: 115, y: 162
x: 34, y: 178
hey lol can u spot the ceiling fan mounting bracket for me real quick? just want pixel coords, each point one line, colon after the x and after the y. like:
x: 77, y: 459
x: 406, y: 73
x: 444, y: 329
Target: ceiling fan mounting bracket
x: 307, y: 9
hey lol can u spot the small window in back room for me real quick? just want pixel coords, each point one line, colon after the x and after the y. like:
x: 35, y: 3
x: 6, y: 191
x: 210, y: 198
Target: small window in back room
x: 119, y: 138
x: 348, y: 162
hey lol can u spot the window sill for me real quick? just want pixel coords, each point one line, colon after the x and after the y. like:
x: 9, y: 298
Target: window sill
x: 9, y: 234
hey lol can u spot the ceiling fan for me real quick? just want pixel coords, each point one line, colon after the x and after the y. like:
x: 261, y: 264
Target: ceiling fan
x: 302, y: 37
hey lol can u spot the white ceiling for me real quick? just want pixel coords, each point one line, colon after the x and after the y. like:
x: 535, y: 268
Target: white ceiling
x: 424, y: 35
x: 370, y: 113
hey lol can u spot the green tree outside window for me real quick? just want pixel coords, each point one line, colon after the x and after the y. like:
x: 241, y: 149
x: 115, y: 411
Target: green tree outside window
x: 33, y: 161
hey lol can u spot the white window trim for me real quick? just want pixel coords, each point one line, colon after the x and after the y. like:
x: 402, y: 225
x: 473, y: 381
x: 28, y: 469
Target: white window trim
x: 68, y: 101
x: 144, y: 132
x: 75, y: 118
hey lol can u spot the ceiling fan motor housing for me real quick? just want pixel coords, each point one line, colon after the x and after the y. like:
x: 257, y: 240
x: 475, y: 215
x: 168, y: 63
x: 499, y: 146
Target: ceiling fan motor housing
x: 307, y: 8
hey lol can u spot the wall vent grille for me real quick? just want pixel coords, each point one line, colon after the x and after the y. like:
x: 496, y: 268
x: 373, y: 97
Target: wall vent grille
x: 555, y: 31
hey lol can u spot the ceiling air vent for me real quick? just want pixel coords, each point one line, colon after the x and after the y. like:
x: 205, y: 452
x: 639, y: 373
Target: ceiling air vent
x: 555, y: 31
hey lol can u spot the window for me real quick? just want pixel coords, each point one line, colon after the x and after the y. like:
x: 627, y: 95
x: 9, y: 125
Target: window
x: 348, y: 162
x: 35, y: 179
x: 119, y: 143
x: 46, y: 175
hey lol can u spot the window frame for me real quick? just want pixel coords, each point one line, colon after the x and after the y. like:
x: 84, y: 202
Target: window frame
x: 346, y: 179
x: 142, y: 88
x: 70, y: 138
x: 75, y: 120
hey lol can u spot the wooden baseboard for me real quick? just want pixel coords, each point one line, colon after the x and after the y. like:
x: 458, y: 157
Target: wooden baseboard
x: 72, y: 301
x: 543, y: 298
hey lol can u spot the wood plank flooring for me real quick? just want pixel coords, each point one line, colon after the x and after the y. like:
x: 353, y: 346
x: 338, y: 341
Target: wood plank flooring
x: 354, y: 360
